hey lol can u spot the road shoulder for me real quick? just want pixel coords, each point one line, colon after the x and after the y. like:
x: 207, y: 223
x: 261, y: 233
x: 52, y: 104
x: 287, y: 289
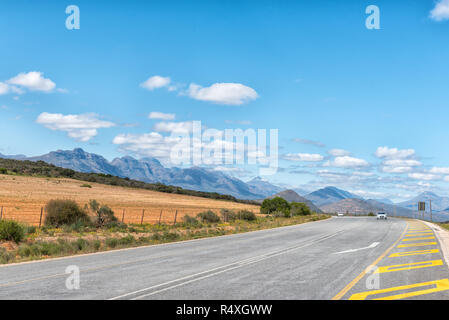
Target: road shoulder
x: 443, y: 238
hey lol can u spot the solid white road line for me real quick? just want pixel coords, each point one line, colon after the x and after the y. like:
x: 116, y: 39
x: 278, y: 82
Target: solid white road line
x: 373, y: 245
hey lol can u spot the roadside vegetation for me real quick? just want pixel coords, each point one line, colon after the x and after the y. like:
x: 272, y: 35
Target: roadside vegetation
x: 70, y: 229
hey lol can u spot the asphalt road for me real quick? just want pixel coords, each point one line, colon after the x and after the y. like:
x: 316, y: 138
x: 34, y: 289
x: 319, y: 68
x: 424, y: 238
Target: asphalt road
x: 321, y: 260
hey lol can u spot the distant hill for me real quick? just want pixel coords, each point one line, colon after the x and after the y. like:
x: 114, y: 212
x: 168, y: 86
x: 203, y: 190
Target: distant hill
x: 363, y: 207
x: 384, y: 200
x: 263, y: 187
x: 329, y: 195
x: 292, y: 196
x: 438, y: 203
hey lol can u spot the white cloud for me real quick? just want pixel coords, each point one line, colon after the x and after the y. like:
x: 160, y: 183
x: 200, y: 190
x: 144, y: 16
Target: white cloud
x: 223, y: 93
x: 423, y: 176
x: 150, y: 144
x: 394, y: 153
x: 309, y: 157
x: 441, y: 11
x: 440, y: 170
x: 155, y: 82
x: 33, y: 81
x: 82, y: 127
x: 177, y: 127
x: 402, y: 163
x: 387, y: 169
x: 161, y: 116
x: 338, y: 152
x: 349, y: 162
x: 4, y: 88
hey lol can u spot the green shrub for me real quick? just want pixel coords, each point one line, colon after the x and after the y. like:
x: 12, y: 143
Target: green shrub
x: 3, y: 171
x: 103, y: 214
x: 86, y: 185
x: 64, y: 212
x: 30, y: 229
x: 5, y: 256
x: 269, y: 206
x: 96, y: 245
x: 208, y: 216
x: 129, y: 239
x: 299, y: 209
x: 280, y: 214
x: 112, y: 242
x: 228, y: 215
x: 170, y: 236
x: 80, y: 244
x: 11, y: 230
x: 190, y: 221
x: 246, y: 215
x: 371, y: 214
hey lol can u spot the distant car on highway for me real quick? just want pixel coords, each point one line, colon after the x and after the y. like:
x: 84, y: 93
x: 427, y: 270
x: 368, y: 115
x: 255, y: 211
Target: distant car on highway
x: 340, y: 214
x: 381, y: 215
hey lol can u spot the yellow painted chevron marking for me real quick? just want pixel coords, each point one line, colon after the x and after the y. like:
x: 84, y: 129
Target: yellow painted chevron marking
x: 423, y: 238
x: 409, y: 266
x: 419, y: 234
x: 412, y: 253
x: 419, y: 244
x: 439, y: 285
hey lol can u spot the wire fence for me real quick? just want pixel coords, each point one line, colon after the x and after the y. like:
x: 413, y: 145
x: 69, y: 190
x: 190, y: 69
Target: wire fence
x: 35, y: 215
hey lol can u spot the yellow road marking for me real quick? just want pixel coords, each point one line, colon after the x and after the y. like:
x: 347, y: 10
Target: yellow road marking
x: 419, y: 244
x: 419, y: 234
x: 348, y: 287
x: 423, y: 238
x: 420, y: 229
x: 412, y: 253
x: 440, y: 285
x: 409, y: 266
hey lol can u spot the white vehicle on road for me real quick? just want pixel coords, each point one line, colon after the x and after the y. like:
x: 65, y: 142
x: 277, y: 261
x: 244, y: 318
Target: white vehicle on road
x: 340, y: 215
x: 381, y: 215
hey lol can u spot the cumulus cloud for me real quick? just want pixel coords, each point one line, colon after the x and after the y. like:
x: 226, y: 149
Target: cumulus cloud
x: 441, y: 11
x: 440, y: 170
x: 151, y: 144
x: 161, y: 116
x: 81, y: 127
x: 176, y: 127
x: 309, y: 157
x: 33, y: 81
x: 4, y: 88
x: 338, y: 152
x: 348, y: 162
x: 394, y: 153
x: 155, y: 82
x: 423, y: 176
x: 223, y: 93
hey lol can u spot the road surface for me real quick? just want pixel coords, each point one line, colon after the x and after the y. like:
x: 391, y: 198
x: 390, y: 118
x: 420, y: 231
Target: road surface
x: 320, y: 260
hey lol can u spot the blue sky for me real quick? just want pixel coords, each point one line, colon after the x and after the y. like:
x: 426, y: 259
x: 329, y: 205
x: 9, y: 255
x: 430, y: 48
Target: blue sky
x: 312, y: 70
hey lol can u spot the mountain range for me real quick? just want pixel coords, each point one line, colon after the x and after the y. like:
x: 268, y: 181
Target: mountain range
x: 152, y: 171
x: 439, y: 203
x: 329, y: 195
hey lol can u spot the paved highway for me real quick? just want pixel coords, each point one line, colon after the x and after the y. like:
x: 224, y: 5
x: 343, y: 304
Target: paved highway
x: 320, y: 260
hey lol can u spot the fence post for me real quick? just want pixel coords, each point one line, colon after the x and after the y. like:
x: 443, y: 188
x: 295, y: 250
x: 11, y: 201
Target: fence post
x: 123, y: 216
x: 1, y: 214
x: 176, y: 214
x: 143, y: 213
x: 40, y: 219
x: 160, y: 216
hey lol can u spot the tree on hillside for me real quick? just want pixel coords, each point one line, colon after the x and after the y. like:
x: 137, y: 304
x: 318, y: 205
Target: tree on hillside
x: 276, y: 204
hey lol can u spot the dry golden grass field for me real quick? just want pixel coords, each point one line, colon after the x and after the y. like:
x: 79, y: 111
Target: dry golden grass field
x: 23, y: 197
